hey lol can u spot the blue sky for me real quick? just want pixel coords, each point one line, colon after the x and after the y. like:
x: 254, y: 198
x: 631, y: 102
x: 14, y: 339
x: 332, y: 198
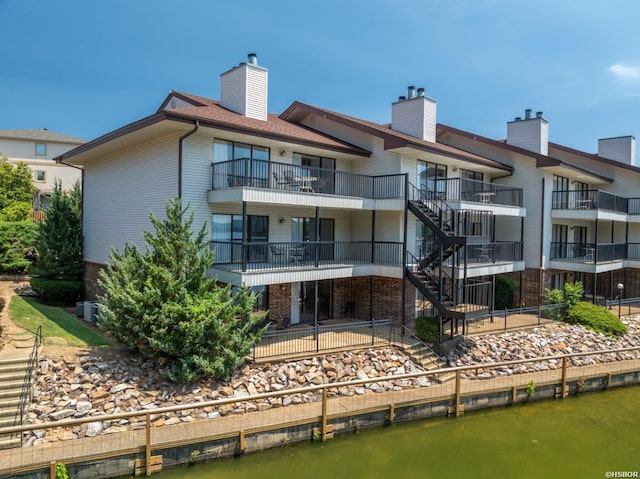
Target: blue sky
x: 85, y: 68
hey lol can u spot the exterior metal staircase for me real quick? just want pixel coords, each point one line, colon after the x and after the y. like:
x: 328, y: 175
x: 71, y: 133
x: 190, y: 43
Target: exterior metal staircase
x: 451, y: 230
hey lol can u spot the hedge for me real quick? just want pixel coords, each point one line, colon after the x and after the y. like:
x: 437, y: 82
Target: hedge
x: 596, y: 318
x: 57, y: 291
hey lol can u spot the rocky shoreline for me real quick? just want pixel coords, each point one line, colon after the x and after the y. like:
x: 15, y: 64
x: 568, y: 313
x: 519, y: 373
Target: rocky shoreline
x: 88, y: 387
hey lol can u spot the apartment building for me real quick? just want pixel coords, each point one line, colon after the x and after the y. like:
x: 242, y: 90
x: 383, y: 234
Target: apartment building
x: 327, y: 216
x: 37, y: 149
x: 583, y: 209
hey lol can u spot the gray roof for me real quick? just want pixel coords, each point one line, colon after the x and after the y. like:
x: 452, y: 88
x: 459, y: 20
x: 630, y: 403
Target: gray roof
x: 40, y: 134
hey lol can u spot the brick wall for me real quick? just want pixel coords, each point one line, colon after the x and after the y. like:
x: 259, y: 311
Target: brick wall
x: 280, y: 304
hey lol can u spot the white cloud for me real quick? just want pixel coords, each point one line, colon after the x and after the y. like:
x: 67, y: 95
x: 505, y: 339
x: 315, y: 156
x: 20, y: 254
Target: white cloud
x: 622, y: 71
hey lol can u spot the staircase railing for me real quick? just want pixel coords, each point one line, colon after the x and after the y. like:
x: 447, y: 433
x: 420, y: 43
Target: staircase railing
x: 405, y: 331
x: 27, y: 384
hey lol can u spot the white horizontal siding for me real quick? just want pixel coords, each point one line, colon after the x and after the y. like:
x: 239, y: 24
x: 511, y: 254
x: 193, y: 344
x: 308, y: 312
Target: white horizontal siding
x: 119, y: 192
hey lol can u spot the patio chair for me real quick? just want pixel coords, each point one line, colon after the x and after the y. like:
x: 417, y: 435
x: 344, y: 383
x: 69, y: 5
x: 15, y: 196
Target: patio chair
x: 277, y: 253
x: 291, y: 179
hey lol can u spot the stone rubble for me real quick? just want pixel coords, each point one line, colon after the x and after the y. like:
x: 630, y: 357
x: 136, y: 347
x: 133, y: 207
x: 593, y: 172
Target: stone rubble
x: 87, y: 387
x: 69, y: 390
x: 552, y: 340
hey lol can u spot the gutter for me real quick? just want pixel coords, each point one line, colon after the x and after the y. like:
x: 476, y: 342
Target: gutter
x: 182, y: 138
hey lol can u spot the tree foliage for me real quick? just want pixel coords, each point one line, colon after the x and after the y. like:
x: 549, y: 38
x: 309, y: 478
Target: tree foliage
x: 161, y: 303
x: 17, y: 245
x: 16, y: 190
x: 505, y: 295
x: 59, y: 244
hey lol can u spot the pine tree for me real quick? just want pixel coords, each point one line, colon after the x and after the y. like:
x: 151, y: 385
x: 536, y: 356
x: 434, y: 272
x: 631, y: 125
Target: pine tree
x: 161, y: 303
x: 59, y: 243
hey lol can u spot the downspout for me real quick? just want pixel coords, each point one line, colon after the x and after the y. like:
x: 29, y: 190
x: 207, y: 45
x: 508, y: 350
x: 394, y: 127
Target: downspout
x: 182, y: 138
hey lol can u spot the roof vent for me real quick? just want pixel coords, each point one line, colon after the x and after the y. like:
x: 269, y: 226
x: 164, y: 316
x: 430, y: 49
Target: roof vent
x: 538, y: 114
x: 527, y: 114
x: 411, y: 92
x: 420, y: 92
x: 402, y: 98
x: 252, y: 59
x: 518, y: 118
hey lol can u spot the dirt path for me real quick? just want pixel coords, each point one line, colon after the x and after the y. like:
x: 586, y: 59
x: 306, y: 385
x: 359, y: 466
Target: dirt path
x: 10, y: 330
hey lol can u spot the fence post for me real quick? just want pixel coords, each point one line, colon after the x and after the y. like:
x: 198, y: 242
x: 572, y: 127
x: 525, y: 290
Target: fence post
x: 539, y: 313
x: 147, y: 463
x: 324, y: 414
x: 457, y: 406
x: 563, y: 394
x: 505, y: 319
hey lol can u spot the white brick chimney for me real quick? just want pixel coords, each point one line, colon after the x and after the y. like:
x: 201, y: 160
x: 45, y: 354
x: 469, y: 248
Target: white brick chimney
x: 243, y: 89
x: 530, y: 133
x: 621, y: 148
x: 415, y: 115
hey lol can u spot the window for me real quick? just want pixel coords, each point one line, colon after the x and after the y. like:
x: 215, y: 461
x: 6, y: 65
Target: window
x: 471, y: 175
x: 41, y: 176
x: 432, y: 178
x: 560, y: 192
x: 254, y: 171
x: 41, y: 149
x: 227, y: 229
x: 304, y: 229
x: 323, y: 170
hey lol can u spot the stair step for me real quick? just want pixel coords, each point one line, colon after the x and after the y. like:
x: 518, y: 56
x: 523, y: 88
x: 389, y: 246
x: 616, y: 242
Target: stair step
x: 24, y: 360
x: 7, y: 442
x: 9, y: 421
x: 13, y: 368
x: 12, y: 376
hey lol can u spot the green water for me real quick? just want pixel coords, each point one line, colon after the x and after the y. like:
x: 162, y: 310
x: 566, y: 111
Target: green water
x: 578, y: 437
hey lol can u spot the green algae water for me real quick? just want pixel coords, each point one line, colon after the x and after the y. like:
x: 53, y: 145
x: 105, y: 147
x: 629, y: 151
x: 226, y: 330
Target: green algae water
x: 594, y: 435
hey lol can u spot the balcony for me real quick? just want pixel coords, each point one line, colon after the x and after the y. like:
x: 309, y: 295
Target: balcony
x: 479, y: 259
x: 286, y: 177
x: 270, y: 261
x: 474, y: 191
x: 593, y: 257
x: 592, y: 204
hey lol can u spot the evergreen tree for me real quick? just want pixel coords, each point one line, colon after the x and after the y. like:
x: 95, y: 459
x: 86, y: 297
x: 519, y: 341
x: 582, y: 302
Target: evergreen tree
x: 59, y: 243
x: 161, y: 303
x: 16, y: 191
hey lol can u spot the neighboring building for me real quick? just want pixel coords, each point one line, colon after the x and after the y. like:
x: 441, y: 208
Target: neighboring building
x: 38, y: 148
x: 331, y: 216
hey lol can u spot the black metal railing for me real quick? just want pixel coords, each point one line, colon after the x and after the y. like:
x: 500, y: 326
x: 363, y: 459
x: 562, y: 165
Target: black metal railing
x: 456, y: 222
x: 463, y: 189
x: 318, y: 337
x: 634, y: 206
x: 252, y: 256
x: 589, y: 200
x: 496, y: 252
x: 633, y: 251
x: 589, y: 252
x: 473, y: 296
x: 247, y: 172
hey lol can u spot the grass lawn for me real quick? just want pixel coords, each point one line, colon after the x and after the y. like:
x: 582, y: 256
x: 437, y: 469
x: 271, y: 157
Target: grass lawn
x: 58, y: 327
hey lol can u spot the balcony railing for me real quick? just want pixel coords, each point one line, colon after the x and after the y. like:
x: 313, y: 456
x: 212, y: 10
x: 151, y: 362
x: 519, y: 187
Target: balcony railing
x: 485, y: 253
x: 261, y: 256
x: 464, y: 189
x: 591, y: 252
x: 287, y: 177
x: 459, y: 222
x: 591, y: 200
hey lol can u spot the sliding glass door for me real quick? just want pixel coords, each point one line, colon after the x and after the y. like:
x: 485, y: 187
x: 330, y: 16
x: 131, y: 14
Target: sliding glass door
x: 227, y: 233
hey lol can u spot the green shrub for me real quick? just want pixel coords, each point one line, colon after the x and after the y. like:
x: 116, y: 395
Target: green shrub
x: 17, y: 240
x: 427, y: 329
x: 505, y: 292
x: 596, y: 318
x: 57, y: 291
